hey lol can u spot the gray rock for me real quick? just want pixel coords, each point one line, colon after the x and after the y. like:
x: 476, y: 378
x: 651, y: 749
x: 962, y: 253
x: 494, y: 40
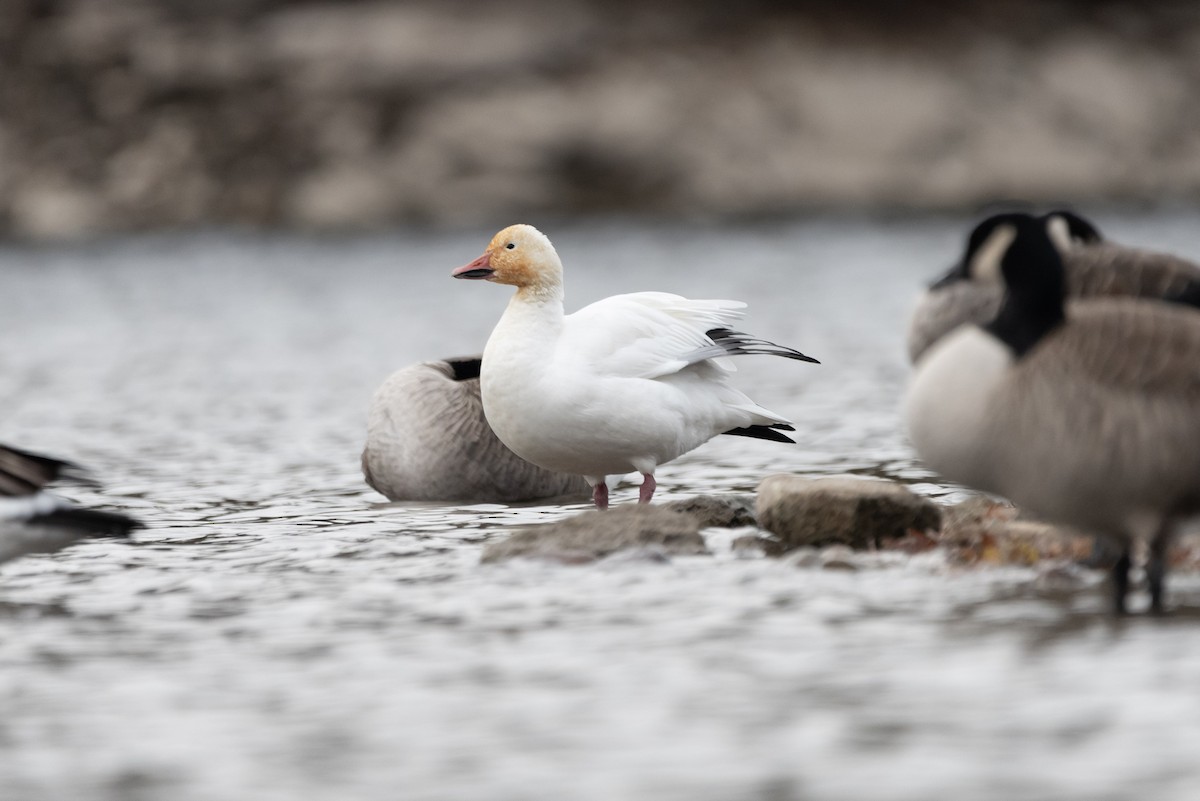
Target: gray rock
x: 848, y: 510
x: 750, y: 545
x: 838, y: 557
x: 992, y: 532
x: 594, y: 535
x: 717, y: 511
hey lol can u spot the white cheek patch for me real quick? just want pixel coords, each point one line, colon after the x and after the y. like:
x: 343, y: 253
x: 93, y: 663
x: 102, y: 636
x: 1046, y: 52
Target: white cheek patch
x: 985, y: 264
x: 1060, y: 234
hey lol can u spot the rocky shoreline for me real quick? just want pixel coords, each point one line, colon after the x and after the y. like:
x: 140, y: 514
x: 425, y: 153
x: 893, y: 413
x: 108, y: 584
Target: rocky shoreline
x: 351, y: 116
x: 831, y: 522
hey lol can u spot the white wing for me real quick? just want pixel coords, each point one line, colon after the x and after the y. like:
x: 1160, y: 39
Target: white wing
x: 647, y: 334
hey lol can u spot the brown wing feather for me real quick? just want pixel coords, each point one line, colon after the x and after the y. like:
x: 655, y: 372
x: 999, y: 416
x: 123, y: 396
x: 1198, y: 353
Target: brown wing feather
x: 1149, y: 348
x: 1107, y: 269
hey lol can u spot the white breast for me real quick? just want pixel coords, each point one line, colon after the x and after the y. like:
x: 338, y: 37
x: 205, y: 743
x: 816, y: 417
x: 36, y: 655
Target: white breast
x: 947, y: 405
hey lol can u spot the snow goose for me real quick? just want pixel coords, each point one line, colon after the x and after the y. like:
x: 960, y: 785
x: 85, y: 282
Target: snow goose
x: 1086, y: 414
x: 622, y: 385
x: 1094, y: 267
x: 427, y: 440
x: 34, y: 521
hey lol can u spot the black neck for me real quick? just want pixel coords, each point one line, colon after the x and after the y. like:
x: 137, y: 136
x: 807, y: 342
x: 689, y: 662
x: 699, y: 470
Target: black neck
x: 1022, y: 322
x: 1035, y: 287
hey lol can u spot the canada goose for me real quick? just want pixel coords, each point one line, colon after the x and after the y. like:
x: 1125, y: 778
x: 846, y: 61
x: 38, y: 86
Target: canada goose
x: 427, y: 439
x: 627, y: 383
x: 1094, y: 267
x: 34, y: 521
x: 1086, y: 414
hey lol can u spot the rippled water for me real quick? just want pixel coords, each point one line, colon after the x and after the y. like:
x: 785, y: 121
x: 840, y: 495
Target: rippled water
x: 281, y: 633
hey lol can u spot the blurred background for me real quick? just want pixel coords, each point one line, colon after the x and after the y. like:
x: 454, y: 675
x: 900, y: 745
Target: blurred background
x: 128, y: 115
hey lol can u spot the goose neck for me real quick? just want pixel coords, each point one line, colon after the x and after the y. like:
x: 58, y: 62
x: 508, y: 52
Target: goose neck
x: 1025, y: 318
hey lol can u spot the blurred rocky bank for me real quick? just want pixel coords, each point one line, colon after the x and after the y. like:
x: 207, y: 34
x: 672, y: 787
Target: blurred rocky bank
x: 123, y: 115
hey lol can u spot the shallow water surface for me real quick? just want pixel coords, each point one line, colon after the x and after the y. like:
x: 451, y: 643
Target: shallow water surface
x: 279, y: 632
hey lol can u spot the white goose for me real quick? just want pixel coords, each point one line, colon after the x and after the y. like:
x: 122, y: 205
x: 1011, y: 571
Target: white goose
x: 34, y: 521
x: 625, y: 384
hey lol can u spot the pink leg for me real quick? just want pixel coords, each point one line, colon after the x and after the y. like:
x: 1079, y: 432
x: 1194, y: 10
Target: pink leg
x: 600, y: 495
x: 648, y: 486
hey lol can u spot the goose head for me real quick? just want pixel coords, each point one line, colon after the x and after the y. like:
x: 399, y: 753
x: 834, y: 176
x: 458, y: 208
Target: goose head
x: 1016, y: 253
x: 519, y: 256
x: 1069, y: 230
x: 1064, y: 229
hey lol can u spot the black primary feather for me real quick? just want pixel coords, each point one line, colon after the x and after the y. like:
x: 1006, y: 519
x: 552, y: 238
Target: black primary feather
x: 770, y: 432
x: 735, y: 343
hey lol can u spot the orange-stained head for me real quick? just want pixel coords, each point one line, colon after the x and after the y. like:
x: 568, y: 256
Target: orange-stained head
x: 520, y: 256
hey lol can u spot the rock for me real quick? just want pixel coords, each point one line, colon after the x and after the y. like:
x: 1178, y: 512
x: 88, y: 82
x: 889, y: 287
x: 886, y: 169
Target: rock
x: 716, y: 511
x: 843, y: 558
x: 750, y: 545
x: 651, y: 554
x: 594, y: 535
x: 980, y: 530
x: 838, y: 557
x: 847, y: 510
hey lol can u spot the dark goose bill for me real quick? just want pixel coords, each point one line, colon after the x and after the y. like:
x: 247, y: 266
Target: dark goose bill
x: 478, y: 272
x: 480, y: 268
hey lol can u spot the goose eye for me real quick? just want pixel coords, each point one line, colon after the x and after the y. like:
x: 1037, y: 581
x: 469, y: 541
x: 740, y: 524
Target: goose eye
x: 510, y: 246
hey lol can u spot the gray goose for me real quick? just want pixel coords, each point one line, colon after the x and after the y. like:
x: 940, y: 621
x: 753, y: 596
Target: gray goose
x: 1087, y: 414
x: 428, y: 440
x: 34, y: 521
x: 1094, y: 267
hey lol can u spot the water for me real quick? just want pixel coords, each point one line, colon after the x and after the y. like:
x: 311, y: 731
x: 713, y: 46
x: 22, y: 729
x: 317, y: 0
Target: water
x: 281, y: 633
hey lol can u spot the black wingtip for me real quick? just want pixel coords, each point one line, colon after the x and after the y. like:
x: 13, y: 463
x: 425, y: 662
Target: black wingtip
x: 735, y: 343
x: 770, y: 433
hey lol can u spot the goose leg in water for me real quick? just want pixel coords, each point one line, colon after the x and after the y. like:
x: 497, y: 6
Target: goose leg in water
x: 647, y: 491
x: 1120, y: 581
x: 600, y: 495
x: 1156, y: 568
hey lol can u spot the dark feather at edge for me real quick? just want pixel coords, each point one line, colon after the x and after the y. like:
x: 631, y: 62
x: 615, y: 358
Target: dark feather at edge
x: 735, y: 343
x: 763, y: 432
x: 24, y: 473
